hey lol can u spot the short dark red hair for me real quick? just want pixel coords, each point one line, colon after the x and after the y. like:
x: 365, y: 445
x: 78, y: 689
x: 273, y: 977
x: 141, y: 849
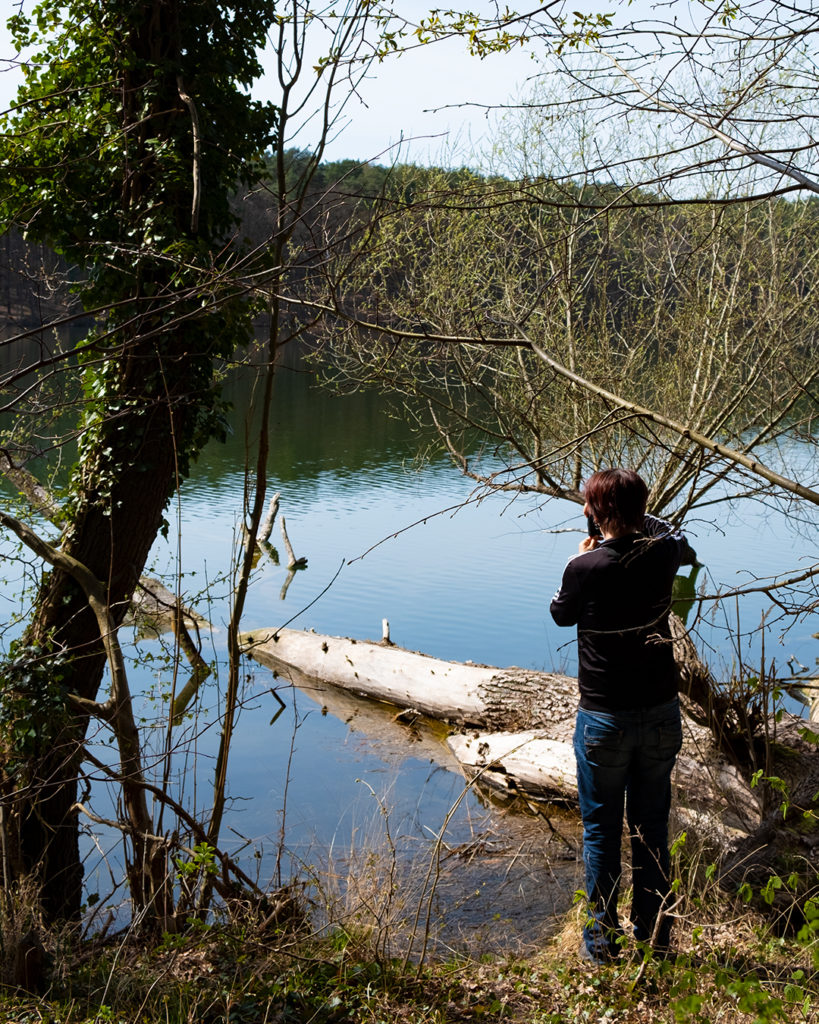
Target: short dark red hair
x: 617, y: 497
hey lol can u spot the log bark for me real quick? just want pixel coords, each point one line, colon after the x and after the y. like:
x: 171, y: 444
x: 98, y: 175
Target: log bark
x: 459, y: 693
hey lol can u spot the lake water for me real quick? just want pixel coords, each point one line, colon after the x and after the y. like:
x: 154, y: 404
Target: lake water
x: 461, y: 577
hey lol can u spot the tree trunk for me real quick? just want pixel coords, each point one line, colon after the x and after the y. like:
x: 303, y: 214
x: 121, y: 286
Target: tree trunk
x: 154, y: 90
x: 111, y: 534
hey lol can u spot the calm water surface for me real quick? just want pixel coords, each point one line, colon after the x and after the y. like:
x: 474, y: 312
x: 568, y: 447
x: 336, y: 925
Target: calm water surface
x: 457, y: 577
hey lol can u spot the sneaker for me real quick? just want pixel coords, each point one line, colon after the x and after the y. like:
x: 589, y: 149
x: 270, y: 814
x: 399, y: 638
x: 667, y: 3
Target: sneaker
x: 600, y: 955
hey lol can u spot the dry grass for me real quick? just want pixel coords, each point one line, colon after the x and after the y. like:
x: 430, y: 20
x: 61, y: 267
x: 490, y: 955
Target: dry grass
x: 371, y: 939
x: 355, y: 958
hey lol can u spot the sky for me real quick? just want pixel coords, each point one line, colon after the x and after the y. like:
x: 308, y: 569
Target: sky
x: 429, y: 105
x: 396, y: 101
x: 426, y: 102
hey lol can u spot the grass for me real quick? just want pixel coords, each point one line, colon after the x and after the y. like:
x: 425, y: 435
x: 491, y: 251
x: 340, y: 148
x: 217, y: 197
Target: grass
x: 241, y: 970
x: 353, y: 944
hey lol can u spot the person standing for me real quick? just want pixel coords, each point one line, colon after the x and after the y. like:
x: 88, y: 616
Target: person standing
x: 617, y: 591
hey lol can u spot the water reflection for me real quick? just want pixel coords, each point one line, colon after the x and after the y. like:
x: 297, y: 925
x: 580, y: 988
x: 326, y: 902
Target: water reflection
x: 471, y: 580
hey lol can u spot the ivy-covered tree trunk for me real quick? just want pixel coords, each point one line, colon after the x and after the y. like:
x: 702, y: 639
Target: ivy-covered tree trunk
x: 124, y: 157
x: 111, y: 534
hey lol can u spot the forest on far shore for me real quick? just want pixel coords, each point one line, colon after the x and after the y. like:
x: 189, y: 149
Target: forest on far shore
x: 35, y: 283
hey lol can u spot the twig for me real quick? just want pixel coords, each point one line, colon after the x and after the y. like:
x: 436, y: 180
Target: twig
x: 267, y: 526
x: 197, y: 153
x: 292, y: 562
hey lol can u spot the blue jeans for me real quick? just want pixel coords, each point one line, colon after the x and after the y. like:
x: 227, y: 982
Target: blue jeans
x: 626, y: 757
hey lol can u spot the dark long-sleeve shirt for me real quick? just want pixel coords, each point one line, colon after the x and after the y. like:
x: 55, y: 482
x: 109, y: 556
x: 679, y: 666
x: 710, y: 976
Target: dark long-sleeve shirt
x: 618, y: 595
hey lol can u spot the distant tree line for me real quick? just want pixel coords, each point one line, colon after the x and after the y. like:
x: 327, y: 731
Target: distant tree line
x: 36, y: 283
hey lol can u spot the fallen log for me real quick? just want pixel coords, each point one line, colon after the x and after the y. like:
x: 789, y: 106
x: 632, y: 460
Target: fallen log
x: 514, y: 729
x: 460, y: 693
x: 517, y: 723
x: 710, y: 794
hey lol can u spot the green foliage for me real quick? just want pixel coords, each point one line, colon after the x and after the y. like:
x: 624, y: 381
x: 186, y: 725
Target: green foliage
x: 201, y: 861
x: 100, y: 102
x: 507, y: 31
x: 809, y: 932
x: 33, y: 703
x: 809, y: 735
x: 776, y: 785
x: 584, y: 31
x: 99, y: 161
